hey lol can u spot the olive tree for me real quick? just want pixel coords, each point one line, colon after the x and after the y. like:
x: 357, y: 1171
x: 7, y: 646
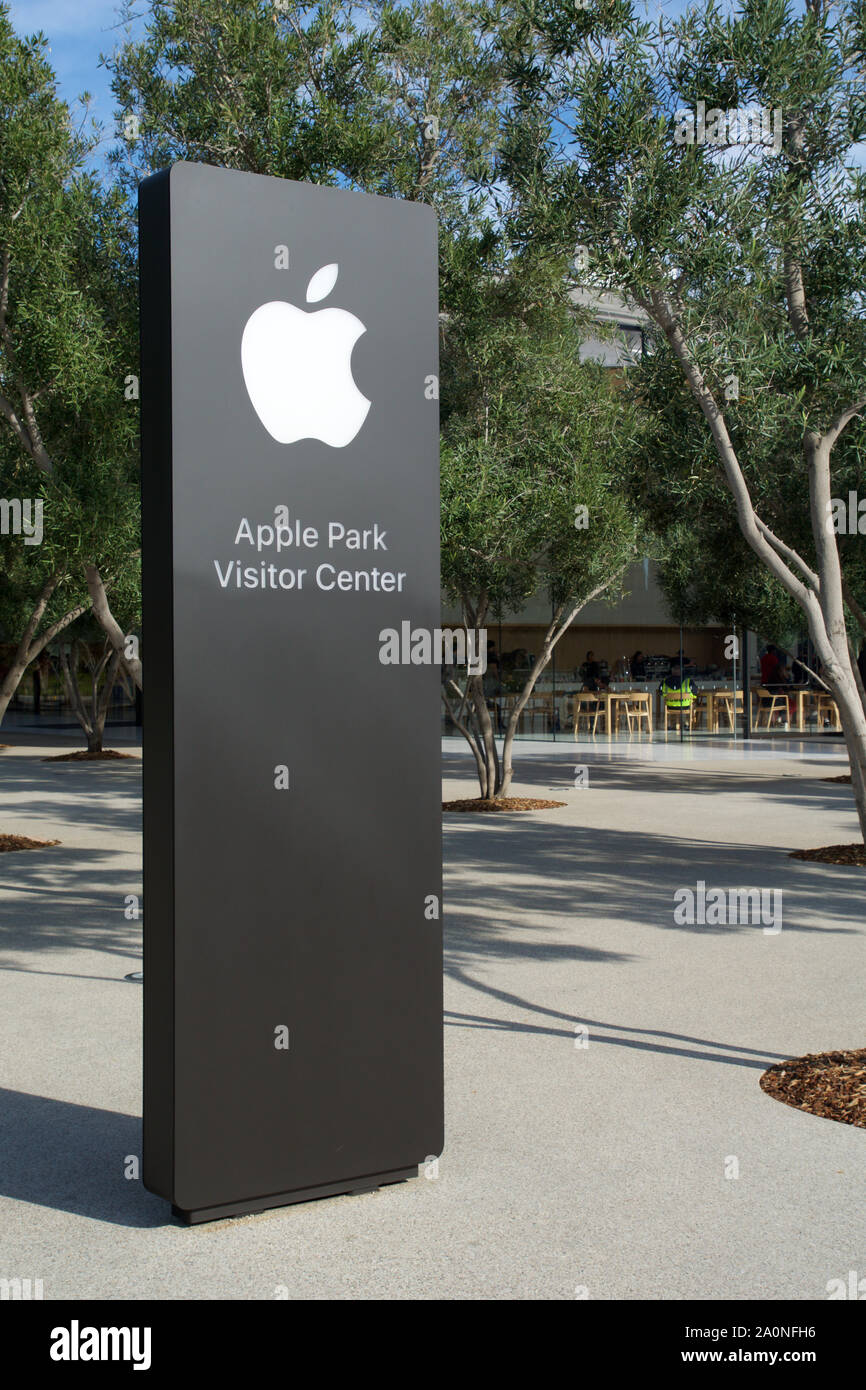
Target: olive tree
x: 68, y: 414
x: 534, y: 444
x: 708, y: 168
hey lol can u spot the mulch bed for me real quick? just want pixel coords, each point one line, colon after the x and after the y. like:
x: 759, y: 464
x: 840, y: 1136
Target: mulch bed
x: 508, y: 803
x: 10, y: 842
x: 834, y: 854
x: 108, y: 755
x: 830, y: 1084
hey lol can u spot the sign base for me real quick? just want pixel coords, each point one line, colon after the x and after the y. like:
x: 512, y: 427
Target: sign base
x: 287, y: 1199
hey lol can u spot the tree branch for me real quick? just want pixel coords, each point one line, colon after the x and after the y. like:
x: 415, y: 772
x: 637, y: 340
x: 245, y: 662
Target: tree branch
x: 841, y: 419
x: 659, y: 309
x: 789, y: 554
x: 795, y: 295
x: 108, y: 622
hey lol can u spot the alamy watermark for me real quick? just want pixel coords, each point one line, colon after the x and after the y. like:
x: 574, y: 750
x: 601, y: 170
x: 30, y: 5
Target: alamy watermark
x: 741, y: 125
x: 22, y: 516
x: 445, y: 646
x: 720, y: 907
x: 852, y: 1288
x: 77, y: 1343
x: 846, y: 518
x: 22, y: 1290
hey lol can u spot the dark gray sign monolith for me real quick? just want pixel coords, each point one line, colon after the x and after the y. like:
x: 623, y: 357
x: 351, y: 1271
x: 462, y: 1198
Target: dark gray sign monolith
x: 292, y: 851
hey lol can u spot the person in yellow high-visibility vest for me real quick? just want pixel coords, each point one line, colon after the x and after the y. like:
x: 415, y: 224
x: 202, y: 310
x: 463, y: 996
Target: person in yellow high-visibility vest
x: 680, y: 694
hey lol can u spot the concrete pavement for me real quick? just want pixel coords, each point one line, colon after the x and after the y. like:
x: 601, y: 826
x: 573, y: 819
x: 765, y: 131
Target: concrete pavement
x: 598, y: 1168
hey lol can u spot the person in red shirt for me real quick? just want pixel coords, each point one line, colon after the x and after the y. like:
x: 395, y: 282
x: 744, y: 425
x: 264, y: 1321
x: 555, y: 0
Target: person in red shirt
x: 775, y: 676
x: 770, y: 666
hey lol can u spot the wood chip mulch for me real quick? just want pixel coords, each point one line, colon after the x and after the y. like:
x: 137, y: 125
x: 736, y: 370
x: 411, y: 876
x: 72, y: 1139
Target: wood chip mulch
x: 830, y: 1084
x: 508, y: 803
x: 834, y: 854
x: 10, y: 842
x: 108, y: 755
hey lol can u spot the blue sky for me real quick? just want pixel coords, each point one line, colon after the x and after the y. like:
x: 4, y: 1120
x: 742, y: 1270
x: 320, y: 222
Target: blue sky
x: 77, y: 32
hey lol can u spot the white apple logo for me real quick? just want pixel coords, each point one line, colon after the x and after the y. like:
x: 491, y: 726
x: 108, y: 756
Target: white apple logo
x: 298, y: 371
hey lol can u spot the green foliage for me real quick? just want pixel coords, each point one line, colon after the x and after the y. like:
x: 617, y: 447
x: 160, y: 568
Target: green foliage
x: 409, y: 100
x: 719, y: 231
x: 530, y: 435
x: 395, y: 99
x: 68, y: 339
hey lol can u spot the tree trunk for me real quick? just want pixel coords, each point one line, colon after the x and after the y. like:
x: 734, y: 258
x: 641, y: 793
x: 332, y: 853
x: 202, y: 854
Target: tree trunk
x: 551, y: 637
x: 109, y: 623
x: 820, y: 596
x: 31, y: 646
x: 495, y: 776
x: 489, y: 754
x: 11, y: 682
x: 559, y: 625
x: 92, y: 719
x: 459, y: 721
x: 845, y: 691
x: 102, y: 702
x: 73, y: 695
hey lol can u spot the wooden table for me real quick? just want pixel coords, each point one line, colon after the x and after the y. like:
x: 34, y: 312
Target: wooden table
x: 609, y: 700
x: 719, y: 697
x: 760, y: 692
x: 643, y: 698
x: 803, y: 695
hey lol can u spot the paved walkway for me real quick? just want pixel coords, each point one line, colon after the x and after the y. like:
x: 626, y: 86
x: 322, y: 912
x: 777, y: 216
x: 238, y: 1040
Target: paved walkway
x: 599, y: 1168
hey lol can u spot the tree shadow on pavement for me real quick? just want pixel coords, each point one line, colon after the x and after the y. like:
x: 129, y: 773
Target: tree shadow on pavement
x: 501, y: 876
x: 93, y: 796
x: 547, y: 890
x: 730, y: 1053
x: 50, y: 904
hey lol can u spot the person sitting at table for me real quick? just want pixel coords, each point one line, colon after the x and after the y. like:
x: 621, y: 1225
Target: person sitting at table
x: 677, y: 690
x: 771, y: 666
x: 638, y: 667
x: 591, y: 673
x: 591, y: 679
x: 776, y: 678
x: 784, y: 682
